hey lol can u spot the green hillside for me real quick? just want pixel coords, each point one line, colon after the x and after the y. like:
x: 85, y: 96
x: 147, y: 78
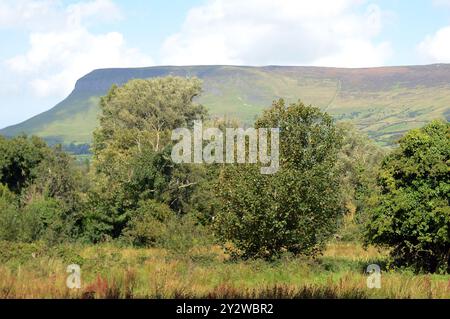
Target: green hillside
x: 384, y: 102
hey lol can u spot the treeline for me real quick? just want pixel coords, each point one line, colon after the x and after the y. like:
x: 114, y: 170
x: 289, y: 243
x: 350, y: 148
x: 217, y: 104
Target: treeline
x: 71, y: 148
x: 77, y: 149
x: 332, y: 182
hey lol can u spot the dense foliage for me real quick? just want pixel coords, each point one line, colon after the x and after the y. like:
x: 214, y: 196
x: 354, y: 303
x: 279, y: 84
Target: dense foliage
x: 132, y: 151
x: 329, y: 182
x: 295, y: 210
x: 358, y: 162
x: 411, y: 213
x: 19, y: 159
x: 39, y: 192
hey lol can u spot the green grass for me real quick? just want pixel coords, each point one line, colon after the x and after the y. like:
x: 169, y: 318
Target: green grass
x: 110, y: 271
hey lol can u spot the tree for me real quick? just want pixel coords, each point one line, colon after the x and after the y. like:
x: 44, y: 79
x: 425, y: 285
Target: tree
x: 132, y: 150
x: 411, y: 212
x: 358, y: 162
x: 143, y: 112
x: 141, y: 115
x: 56, y: 177
x: 19, y: 158
x: 45, y: 197
x: 298, y: 208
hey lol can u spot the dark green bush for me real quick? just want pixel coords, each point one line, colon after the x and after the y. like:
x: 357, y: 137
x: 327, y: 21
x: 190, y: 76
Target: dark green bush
x: 148, y: 223
x: 19, y: 159
x: 42, y: 219
x: 39, y: 192
x: 10, y: 222
x: 411, y: 213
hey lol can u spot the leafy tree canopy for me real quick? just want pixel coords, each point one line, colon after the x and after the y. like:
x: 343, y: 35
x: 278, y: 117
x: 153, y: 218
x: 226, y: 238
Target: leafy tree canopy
x: 132, y: 150
x: 295, y: 210
x: 411, y: 213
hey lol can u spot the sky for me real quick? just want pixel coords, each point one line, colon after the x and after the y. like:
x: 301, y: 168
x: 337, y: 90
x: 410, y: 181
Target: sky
x: 46, y: 45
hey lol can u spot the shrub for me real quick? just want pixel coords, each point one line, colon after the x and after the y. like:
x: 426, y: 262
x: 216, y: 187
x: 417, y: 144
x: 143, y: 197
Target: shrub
x: 19, y: 158
x: 411, y: 213
x: 154, y: 224
x: 9, y: 215
x: 183, y: 233
x: 148, y: 223
x: 21, y: 253
x: 43, y: 219
x: 40, y: 219
x: 39, y: 194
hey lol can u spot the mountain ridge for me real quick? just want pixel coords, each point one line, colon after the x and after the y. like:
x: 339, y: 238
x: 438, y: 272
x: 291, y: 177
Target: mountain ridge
x: 382, y: 101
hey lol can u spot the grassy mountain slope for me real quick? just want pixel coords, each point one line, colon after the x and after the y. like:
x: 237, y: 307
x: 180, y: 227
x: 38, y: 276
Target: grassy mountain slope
x: 384, y: 102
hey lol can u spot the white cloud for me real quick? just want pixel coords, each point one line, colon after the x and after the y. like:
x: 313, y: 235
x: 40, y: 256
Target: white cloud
x: 27, y: 13
x: 57, y: 59
x: 445, y: 3
x: 436, y: 47
x: 99, y: 10
x: 60, y: 54
x: 260, y: 32
x: 39, y: 15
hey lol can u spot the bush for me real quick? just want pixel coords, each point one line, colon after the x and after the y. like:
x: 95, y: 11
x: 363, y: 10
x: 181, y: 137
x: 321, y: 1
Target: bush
x: 411, y: 213
x: 185, y: 233
x: 39, y: 191
x: 154, y: 224
x: 148, y: 223
x: 19, y: 158
x: 9, y: 215
x: 40, y: 219
x: 295, y: 210
x: 22, y: 253
x: 43, y: 219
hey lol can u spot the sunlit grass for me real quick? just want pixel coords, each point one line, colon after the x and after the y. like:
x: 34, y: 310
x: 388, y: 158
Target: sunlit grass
x: 109, y: 271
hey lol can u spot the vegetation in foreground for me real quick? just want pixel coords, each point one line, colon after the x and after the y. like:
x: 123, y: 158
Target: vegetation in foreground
x: 108, y: 271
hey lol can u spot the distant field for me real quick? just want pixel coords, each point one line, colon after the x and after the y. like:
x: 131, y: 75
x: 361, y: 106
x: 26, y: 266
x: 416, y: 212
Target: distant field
x: 82, y: 159
x: 108, y: 271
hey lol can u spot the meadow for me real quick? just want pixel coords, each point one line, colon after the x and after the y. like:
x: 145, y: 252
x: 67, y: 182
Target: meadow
x: 111, y: 271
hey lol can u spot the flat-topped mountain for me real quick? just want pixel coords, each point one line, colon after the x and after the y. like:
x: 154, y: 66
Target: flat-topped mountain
x: 384, y: 102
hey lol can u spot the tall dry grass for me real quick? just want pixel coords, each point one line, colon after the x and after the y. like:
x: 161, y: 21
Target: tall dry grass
x: 112, y: 272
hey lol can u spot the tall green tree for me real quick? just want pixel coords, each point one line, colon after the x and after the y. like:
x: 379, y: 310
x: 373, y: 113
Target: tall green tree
x: 141, y: 115
x: 143, y: 112
x: 132, y: 150
x: 411, y: 212
x: 295, y: 210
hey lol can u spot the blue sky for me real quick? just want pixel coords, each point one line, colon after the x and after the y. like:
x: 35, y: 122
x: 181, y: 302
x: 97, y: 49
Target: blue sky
x: 48, y: 44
